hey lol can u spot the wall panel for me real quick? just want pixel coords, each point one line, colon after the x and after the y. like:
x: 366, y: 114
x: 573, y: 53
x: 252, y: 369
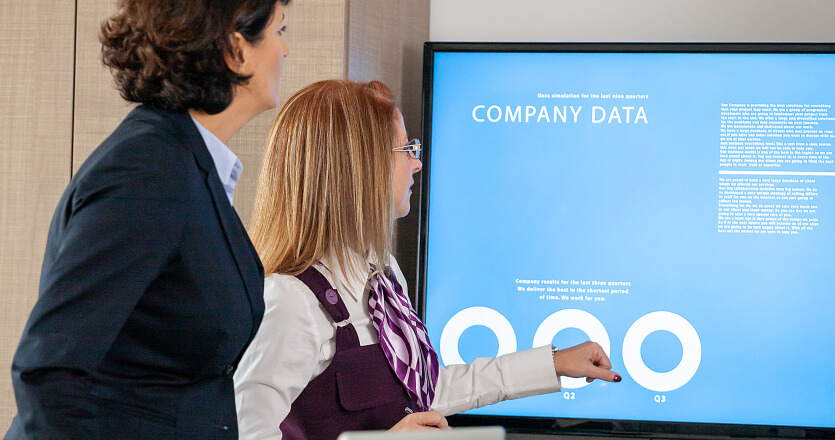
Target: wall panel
x: 98, y: 106
x: 36, y: 64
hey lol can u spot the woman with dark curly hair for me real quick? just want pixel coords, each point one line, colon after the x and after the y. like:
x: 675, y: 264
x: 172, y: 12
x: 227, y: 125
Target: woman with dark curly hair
x: 150, y: 289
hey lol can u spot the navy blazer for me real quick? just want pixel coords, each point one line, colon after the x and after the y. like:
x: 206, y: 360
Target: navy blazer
x: 150, y: 292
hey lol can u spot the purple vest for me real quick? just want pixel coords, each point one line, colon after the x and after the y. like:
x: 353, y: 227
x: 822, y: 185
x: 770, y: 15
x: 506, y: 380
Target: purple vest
x: 358, y: 391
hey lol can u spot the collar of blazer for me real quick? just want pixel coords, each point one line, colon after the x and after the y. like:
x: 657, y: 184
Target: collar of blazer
x: 246, y: 258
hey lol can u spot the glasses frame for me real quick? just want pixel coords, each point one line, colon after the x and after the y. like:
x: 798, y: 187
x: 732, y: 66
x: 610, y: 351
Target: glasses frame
x: 414, y: 147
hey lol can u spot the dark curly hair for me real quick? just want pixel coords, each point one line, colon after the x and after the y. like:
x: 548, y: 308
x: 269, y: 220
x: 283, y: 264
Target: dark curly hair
x: 169, y: 54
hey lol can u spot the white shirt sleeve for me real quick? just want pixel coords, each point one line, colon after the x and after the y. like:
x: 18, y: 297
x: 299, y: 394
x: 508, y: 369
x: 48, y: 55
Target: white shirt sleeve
x: 490, y: 380
x: 280, y: 361
x: 295, y: 343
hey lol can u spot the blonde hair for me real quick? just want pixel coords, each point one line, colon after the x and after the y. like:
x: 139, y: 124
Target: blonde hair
x: 326, y: 179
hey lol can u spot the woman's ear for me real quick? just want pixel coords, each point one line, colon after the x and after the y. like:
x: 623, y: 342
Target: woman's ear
x: 235, y: 58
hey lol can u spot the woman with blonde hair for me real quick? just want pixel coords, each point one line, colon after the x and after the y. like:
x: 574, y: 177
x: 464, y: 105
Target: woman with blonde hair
x: 340, y: 348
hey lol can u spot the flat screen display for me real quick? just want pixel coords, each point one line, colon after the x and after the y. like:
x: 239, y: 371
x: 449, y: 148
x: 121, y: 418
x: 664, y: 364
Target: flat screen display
x: 674, y: 203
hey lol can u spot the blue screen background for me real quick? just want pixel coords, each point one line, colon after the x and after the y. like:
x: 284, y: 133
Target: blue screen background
x: 634, y: 202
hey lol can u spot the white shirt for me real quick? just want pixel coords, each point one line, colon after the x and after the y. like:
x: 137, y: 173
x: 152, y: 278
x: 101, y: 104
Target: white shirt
x: 296, y: 343
x: 228, y: 165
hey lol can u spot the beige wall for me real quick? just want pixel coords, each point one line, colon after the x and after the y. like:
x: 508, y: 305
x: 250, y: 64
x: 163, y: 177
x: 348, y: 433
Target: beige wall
x: 57, y: 103
x: 36, y: 67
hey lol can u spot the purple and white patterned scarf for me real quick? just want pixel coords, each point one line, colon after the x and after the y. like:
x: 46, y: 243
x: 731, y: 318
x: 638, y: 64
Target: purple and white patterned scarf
x: 403, y: 338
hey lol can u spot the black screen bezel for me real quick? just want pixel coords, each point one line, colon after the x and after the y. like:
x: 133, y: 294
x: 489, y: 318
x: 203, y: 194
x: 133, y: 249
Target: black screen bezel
x: 620, y: 428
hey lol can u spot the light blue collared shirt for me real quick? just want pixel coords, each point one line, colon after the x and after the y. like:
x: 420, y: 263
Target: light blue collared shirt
x: 227, y: 164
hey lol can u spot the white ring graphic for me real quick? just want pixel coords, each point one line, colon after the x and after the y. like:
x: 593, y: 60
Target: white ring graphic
x: 690, y: 358
x: 470, y: 317
x: 572, y: 318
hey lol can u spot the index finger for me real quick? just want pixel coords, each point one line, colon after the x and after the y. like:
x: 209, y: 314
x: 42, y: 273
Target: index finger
x: 605, y: 374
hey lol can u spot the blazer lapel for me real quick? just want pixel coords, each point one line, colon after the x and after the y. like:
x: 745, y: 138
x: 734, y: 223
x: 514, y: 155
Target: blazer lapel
x: 244, y: 253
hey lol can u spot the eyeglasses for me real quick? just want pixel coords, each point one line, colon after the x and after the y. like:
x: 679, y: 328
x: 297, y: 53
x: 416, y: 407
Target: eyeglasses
x: 413, y: 147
